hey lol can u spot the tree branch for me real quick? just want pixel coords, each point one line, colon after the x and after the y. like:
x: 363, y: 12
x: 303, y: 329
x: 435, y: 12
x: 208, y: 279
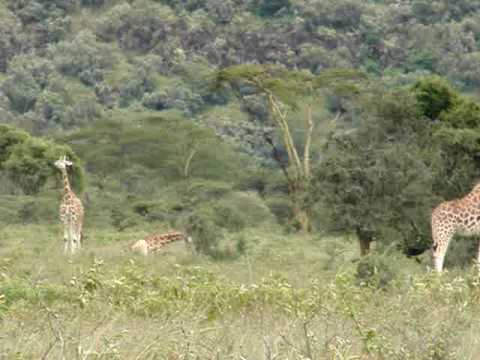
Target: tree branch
x: 308, y: 142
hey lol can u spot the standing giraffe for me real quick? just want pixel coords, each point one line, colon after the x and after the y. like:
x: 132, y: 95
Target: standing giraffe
x: 71, y: 211
x: 458, y: 216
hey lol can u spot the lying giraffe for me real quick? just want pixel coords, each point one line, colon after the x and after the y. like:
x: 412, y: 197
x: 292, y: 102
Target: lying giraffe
x: 71, y: 211
x: 458, y: 216
x: 155, y: 242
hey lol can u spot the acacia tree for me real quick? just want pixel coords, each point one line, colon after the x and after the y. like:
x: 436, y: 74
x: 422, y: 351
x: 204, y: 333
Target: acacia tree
x: 283, y: 90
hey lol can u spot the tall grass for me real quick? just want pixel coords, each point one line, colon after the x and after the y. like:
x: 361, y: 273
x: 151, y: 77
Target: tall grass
x: 286, y: 297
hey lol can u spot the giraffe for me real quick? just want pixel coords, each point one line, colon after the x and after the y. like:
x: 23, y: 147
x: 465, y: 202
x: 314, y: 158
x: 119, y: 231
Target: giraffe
x: 71, y: 211
x: 154, y: 242
x: 458, y: 216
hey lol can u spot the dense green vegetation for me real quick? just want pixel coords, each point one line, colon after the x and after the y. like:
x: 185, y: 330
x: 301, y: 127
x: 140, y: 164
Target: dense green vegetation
x: 279, y: 134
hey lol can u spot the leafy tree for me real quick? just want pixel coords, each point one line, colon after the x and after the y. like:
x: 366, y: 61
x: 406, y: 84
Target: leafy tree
x: 21, y: 89
x: 11, y: 38
x: 140, y: 27
x: 281, y: 90
x: 377, y: 180
x: 84, y: 57
x: 455, y: 132
x: 27, y: 76
x: 48, y: 21
x: 28, y: 161
x: 434, y: 95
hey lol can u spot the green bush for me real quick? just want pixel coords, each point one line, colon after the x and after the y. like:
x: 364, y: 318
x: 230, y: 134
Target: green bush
x: 281, y: 207
x: 228, y: 217
x: 434, y: 96
x: 375, y: 270
x: 205, y: 234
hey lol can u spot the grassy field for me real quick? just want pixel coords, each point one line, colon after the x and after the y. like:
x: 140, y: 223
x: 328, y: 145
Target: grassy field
x: 286, y: 297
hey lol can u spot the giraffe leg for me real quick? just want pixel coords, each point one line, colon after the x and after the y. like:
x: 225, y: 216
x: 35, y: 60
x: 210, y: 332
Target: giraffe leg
x: 478, y: 257
x: 71, y: 238
x: 440, y: 247
x: 79, y: 236
x: 65, y: 239
x: 76, y: 240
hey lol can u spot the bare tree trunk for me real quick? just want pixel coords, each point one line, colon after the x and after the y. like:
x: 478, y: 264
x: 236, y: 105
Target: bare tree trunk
x: 302, y: 218
x: 188, y: 161
x: 301, y: 215
x: 308, y: 142
x: 365, y: 237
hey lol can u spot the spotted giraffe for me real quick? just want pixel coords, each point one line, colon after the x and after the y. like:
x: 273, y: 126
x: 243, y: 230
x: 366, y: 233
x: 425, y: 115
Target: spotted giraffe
x: 458, y: 216
x: 71, y: 211
x: 154, y: 242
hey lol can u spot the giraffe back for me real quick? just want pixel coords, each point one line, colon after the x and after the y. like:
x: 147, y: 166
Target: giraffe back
x: 460, y: 216
x: 155, y: 242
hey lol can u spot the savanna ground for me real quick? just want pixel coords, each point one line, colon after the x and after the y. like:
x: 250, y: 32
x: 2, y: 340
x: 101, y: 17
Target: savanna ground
x: 287, y: 297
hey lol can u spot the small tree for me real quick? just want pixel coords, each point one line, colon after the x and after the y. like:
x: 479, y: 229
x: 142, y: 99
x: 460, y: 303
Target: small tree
x: 28, y: 161
x: 456, y: 132
x: 377, y: 180
x: 282, y: 89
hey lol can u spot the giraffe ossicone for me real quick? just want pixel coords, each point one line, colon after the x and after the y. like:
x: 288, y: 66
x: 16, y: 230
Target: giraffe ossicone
x: 458, y: 216
x: 71, y: 211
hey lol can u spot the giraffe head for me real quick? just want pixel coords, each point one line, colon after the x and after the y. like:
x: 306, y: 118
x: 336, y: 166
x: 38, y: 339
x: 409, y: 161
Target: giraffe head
x: 62, y: 163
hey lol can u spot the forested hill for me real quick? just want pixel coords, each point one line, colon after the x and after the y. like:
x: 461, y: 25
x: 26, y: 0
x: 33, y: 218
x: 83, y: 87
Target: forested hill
x: 64, y: 62
x: 131, y: 90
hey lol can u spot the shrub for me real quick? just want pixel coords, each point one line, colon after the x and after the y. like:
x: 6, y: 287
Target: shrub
x: 434, y: 95
x: 281, y: 207
x: 375, y: 270
x: 204, y: 232
x: 229, y: 217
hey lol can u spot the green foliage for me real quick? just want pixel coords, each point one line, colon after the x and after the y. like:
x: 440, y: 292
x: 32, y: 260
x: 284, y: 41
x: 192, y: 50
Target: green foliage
x: 139, y: 27
x: 205, y: 234
x: 375, y: 270
x: 83, y: 57
x: 457, y: 135
x: 466, y: 114
x: 28, y: 161
x: 434, y: 96
x: 21, y: 88
x: 10, y: 38
x: 379, y: 177
x: 340, y: 15
x: 267, y: 8
x: 50, y: 19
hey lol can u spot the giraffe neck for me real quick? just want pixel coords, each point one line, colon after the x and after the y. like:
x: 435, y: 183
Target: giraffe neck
x: 66, y: 183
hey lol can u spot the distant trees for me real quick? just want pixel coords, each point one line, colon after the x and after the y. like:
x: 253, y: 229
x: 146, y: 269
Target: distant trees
x: 83, y: 57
